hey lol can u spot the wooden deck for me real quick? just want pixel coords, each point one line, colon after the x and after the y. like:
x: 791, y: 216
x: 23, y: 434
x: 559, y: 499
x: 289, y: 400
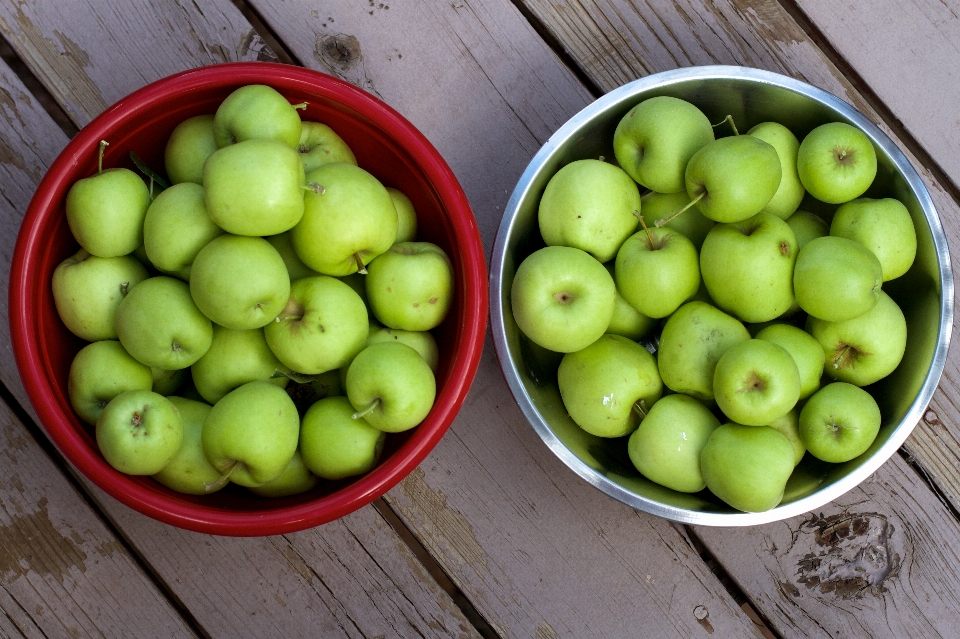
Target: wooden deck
x: 491, y: 536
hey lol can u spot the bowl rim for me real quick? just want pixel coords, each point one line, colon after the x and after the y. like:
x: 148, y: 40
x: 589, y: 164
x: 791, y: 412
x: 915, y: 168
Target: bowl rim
x: 468, y: 346
x: 617, y: 98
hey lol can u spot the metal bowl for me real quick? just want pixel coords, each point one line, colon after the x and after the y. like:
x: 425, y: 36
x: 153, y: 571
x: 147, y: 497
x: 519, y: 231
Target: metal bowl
x: 751, y: 96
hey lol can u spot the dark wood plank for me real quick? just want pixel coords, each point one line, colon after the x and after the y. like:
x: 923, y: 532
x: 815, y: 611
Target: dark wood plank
x: 537, y: 551
x: 232, y: 587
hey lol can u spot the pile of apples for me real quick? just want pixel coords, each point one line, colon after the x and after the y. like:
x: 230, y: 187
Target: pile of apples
x: 262, y: 320
x: 767, y: 320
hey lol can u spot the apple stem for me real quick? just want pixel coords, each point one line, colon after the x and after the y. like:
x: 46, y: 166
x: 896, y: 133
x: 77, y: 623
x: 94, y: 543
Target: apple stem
x: 666, y: 220
x: 313, y: 187
x: 729, y: 119
x: 640, y: 407
x: 103, y: 146
x: 301, y: 106
x: 602, y: 158
x: 361, y: 269
x: 366, y: 411
x: 842, y: 357
x: 646, y: 229
x: 211, y: 486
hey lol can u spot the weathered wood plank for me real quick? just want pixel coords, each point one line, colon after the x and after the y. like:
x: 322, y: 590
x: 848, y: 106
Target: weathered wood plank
x: 59, y: 561
x: 233, y: 587
x: 538, y: 552
x: 62, y: 572
x: 909, y: 55
x: 617, y: 41
x: 879, y: 562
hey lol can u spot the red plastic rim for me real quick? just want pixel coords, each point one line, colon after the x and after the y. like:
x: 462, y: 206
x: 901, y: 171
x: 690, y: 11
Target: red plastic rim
x: 40, y: 355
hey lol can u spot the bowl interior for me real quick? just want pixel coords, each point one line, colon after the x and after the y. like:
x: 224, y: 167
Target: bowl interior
x: 531, y: 371
x: 385, y: 145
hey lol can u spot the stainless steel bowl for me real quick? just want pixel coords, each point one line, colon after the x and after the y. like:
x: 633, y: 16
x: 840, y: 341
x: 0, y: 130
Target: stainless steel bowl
x: 752, y: 96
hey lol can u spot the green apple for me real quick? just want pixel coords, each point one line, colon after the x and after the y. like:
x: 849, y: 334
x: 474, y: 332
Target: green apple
x: 390, y: 386
x: 805, y: 350
x: 139, y: 432
x: 349, y: 219
x: 406, y: 216
x: 865, y: 349
x: 655, y: 139
x: 747, y: 466
x: 692, y: 342
x: 421, y: 341
x: 160, y: 326
x: 177, y: 227
x: 296, y: 269
x: 836, y: 279
x: 807, y: 226
x: 885, y: 227
x: 319, y: 145
x: 251, y: 434
x: 334, y: 444
x: 589, y: 205
x: 562, y: 298
x: 188, y: 147
x: 239, y: 282
x: 256, y: 111
x: 628, y: 322
x: 839, y: 422
x: 657, y: 270
x: 234, y: 358
x: 254, y: 187
x: 87, y: 291
x: 99, y: 372
x: 789, y: 427
x: 608, y: 386
x: 666, y: 447
x: 693, y: 224
x: 105, y: 211
x: 189, y: 472
x: 296, y: 478
x: 732, y: 179
x: 836, y: 162
x: 748, y: 267
x: 790, y: 192
x: 410, y: 286
x: 322, y: 327
x: 756, y: 382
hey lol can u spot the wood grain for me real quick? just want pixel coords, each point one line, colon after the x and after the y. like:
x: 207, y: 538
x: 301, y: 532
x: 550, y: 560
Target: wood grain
x: 878, y: 562
x: 538, y: 552
x: 655, y: 35
x: 909, y: 55
x: 234, y: 587
x: 62, y: 571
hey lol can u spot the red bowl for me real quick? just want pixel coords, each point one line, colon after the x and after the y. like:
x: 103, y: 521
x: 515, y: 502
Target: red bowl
x: 385, y: 144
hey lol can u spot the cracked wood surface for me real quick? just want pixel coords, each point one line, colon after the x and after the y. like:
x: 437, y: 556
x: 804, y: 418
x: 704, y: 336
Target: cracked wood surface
x: 879, y: 562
